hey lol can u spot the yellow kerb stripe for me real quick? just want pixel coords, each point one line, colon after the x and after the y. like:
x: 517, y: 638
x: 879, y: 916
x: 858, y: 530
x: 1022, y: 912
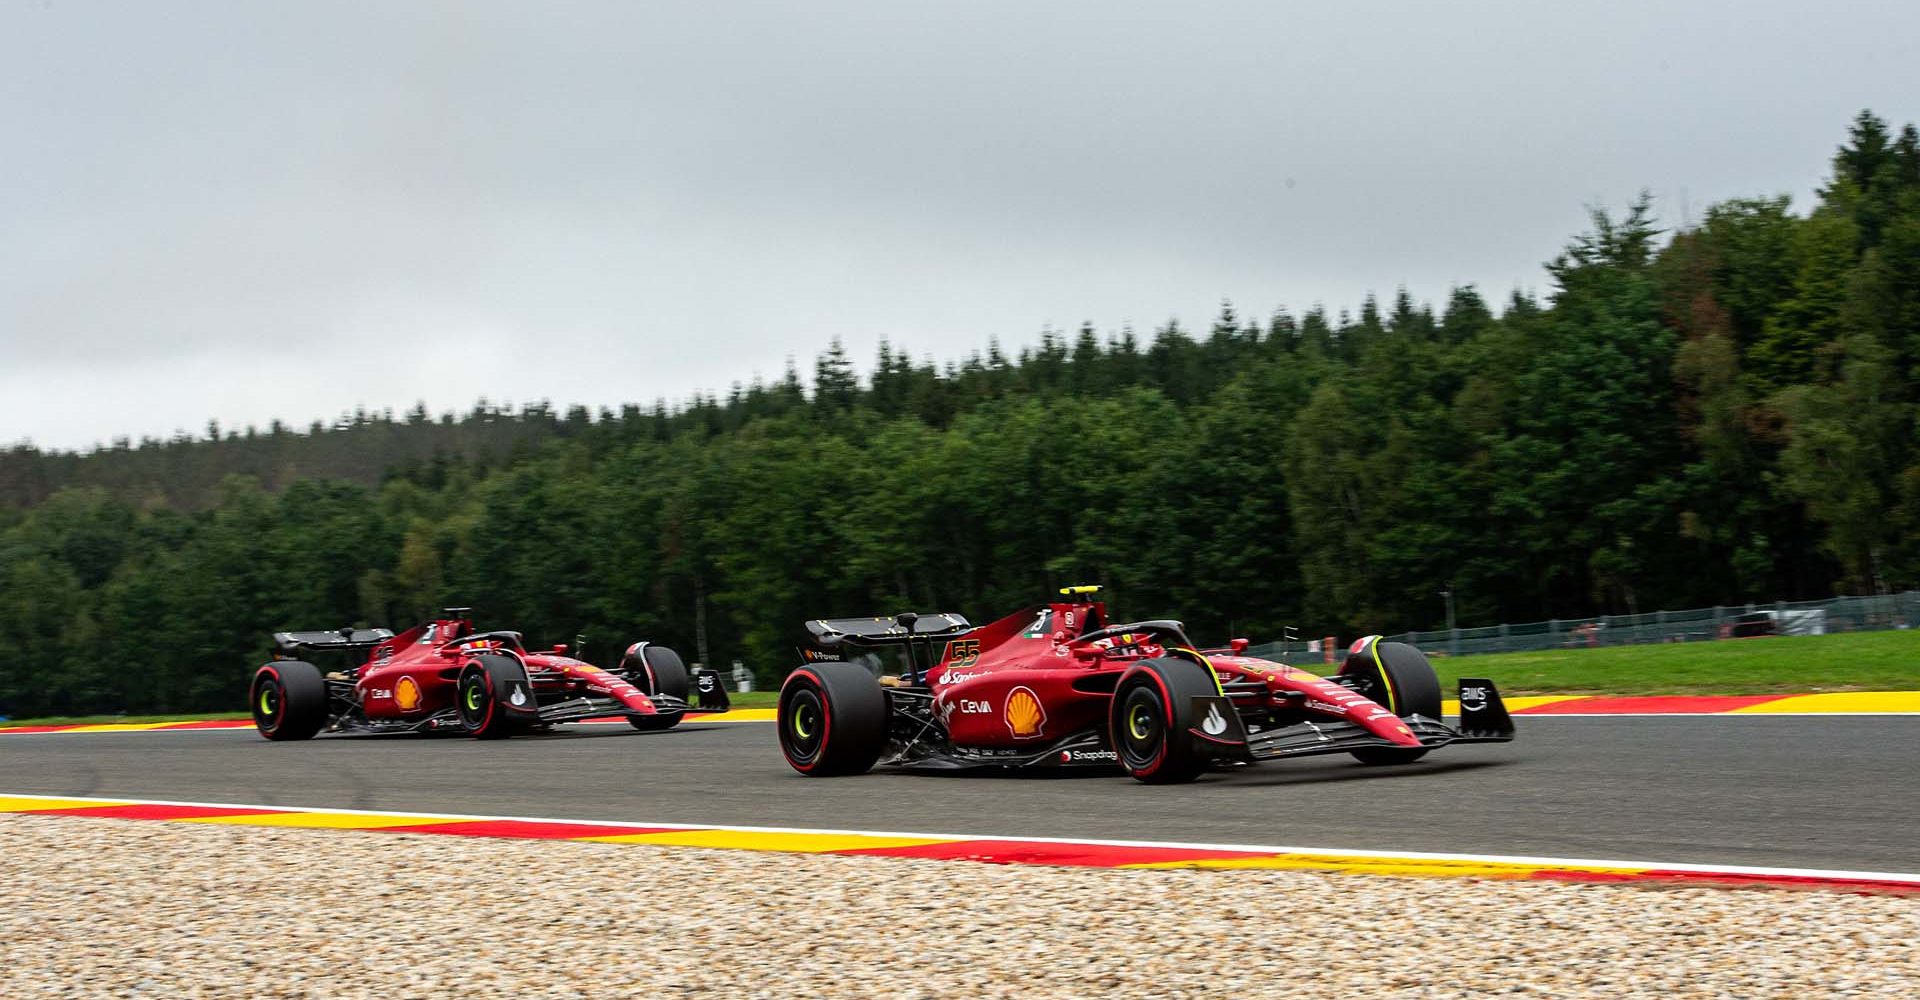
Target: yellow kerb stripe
x: 752, y: 840
x: 738, y: 715
x: 1452, y: 707
x: 1845, y: 701
x: 121, y: 727
x: 1370, y: 865
x: 319, y: 820
x: 22, y: 803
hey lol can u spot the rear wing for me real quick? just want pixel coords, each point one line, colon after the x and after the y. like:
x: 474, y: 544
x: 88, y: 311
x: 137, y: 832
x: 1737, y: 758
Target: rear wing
x: 830, y: 632
x: 916, y: 632
x: 338, y: 639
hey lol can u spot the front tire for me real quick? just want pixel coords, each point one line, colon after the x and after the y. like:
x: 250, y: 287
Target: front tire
x: 658, y: 670
x: 483, y: 685
x: 832, y: 719
x: 1151, y: 713
x: 289, y: 700
x: 1399, y: 677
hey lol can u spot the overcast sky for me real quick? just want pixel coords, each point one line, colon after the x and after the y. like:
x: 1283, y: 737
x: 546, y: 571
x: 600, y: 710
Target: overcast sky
x: 255, y: 210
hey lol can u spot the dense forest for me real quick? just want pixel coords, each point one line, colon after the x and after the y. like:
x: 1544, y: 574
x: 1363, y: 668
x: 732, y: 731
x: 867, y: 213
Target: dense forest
x: 1715, y: 413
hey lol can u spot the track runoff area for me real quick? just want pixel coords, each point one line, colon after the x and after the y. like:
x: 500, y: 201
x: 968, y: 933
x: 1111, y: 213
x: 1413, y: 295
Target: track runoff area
x: 1045, y: 851
x: 1051, y: 852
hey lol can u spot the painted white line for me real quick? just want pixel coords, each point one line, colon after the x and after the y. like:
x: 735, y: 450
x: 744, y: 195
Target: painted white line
x: 1512, y: 859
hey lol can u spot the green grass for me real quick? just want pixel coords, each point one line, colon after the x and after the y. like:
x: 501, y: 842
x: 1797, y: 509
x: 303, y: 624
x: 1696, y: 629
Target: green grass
x: 754, y: 699
x: 1856, y: 661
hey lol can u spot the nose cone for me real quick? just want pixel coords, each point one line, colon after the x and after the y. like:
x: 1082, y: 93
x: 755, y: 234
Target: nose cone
x: 1384, y: 724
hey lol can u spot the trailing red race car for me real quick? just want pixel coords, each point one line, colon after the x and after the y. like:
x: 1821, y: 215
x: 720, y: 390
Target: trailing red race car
x: 445, y: 676
x: 1058, y: 686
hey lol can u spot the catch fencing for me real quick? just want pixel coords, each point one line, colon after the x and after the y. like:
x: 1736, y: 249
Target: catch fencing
x: 1839, y: 614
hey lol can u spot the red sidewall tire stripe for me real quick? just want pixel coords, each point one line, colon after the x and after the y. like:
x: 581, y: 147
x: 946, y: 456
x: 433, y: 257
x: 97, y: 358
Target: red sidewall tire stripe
x: 493, y: 698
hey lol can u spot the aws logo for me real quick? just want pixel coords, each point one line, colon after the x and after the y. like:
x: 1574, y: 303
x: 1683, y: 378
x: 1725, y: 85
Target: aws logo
x: 406, y: 694
x: 1025, y: 718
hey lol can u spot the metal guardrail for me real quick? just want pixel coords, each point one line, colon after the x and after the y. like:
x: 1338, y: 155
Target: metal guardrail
x: 1839, y: 614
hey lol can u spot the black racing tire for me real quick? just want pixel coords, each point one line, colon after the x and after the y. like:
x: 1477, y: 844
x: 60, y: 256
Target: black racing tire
x: 1151, y: 712
x: 478, y: 695
x: 289, y: 700
x: 658, y: 670
x: 833, y: 719
x: 1399, y: 677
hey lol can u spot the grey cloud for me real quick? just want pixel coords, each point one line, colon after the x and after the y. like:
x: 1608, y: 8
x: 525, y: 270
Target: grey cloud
x: 612, y: 201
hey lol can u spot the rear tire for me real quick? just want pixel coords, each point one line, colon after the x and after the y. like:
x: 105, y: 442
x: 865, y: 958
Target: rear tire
x: 1151, y: 713
x: 289, y: 700
x: 659, y: 670
x: 832, y: 719
x: 1403, y: 681
x: 478, y: 696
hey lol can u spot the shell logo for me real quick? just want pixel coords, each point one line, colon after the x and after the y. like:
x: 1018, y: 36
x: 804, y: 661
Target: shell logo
x: 406, y: 694
x: 1023, y: 714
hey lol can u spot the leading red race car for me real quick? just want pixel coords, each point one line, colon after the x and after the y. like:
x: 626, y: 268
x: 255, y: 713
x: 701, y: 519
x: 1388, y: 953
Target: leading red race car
x: 445, y: 676
x: 1058, y: 686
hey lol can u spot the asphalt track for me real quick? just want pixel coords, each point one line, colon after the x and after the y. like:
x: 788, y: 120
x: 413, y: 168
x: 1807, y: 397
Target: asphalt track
x: 1833, y: 792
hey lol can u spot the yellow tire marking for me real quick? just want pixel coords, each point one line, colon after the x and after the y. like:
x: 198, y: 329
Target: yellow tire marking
x: 755, y: 840
x: 1385, y: 681
x: 1203, y: 661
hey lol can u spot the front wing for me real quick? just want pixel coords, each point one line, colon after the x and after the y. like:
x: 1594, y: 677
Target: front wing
x: 575, y: 709
x: 1310, y: 738
x: 1483, y: 719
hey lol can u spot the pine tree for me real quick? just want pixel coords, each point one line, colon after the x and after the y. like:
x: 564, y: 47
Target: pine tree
x: 835, y: 386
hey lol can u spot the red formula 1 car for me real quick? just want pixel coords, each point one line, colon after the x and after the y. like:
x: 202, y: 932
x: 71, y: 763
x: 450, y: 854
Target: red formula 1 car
x: 1059, y: 686
x: 445, y: 676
